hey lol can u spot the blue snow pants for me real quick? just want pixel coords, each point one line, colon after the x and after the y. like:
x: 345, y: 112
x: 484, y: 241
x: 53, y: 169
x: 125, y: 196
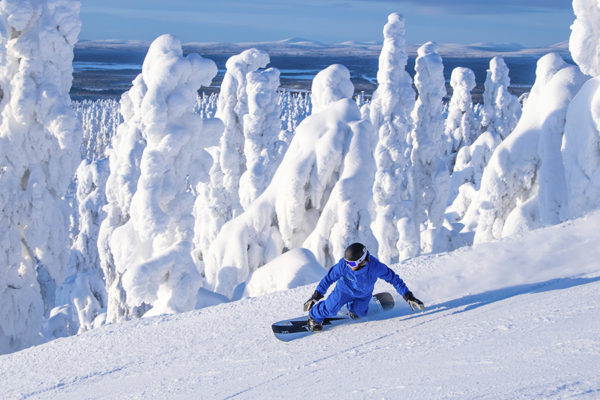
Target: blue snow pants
x: 335, y: 301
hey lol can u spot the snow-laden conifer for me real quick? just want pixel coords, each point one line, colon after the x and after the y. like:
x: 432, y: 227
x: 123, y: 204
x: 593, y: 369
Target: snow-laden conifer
x: 462, y: 127
x: 585, y: 35
x: 125, y: 154
x: 151, y: 250
x: 390, y: 109
x: 305, y: 181
x: 501, y: 109
x: 523, y: 186
x: 232, y: 106
x: 100, y: 120
x: 581, y: 142
x: 262, y: 126
x: 466, y: 175
x: 430, y: 177
x: 470, y: 151
x: 40, y: 138
x: 218, y: 200
x: 81, y: 299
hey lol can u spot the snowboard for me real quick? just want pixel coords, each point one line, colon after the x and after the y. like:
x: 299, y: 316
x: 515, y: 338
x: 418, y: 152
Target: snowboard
x: 295, y: 328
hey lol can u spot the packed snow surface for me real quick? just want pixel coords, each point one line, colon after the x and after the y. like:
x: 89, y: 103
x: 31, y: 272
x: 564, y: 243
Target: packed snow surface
x: 515, y: 318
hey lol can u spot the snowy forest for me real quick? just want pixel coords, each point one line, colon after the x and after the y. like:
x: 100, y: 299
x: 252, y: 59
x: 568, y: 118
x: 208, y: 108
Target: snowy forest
x: 171, y: 200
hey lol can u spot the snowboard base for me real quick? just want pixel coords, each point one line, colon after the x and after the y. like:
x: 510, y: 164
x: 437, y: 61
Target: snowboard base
x: 295, y: 328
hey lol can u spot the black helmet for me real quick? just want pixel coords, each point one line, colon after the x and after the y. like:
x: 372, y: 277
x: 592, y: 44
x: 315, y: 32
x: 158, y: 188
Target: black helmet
x: 356, y: 252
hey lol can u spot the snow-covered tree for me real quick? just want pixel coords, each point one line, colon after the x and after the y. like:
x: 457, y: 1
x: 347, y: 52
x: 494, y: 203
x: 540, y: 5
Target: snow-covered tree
x: 470, y: 151
x: 262, y: 126
x: 430, y: 177
x: 124, y: 162
x: 40, y: 138
x: 206, y: 105
x: 81, y: 299
x: 289, y: 208
x: 501, y: 110
x: 232, y: 106
x: 390, y: 109
x: 346, y: 218
x: 462, y: 127
x: 581, y: 142
x: 100, y: 120
x: 468, y: 170
x: 581, y: 151
x: 585, y: 35
x: 152, y: 250
x: 295, y: 106
x: 523, y: 186
x: 218, y: 199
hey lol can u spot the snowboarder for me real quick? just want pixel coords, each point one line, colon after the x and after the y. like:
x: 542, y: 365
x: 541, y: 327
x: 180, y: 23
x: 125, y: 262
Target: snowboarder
x: 355, y: 275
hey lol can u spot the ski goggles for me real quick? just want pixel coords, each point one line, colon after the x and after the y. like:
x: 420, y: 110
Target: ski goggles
x: 354, y: 264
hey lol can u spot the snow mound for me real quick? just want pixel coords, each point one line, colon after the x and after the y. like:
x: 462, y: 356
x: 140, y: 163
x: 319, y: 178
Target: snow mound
x: 295, y: 268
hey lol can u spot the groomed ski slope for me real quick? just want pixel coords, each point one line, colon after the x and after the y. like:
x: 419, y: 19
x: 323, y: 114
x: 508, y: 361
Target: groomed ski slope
x: 513, y: 319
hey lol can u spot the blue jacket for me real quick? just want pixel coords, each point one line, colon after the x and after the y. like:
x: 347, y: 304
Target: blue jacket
x: 360, y: 284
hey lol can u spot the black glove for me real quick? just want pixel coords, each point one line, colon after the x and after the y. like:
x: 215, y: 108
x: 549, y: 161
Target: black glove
x: 413, y: 302
x: 312, y: 301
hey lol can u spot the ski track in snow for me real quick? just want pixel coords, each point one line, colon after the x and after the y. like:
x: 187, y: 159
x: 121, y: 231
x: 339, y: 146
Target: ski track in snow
x: 494, y: 331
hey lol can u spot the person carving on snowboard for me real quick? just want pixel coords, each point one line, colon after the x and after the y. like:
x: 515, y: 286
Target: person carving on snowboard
x: 355, y: 275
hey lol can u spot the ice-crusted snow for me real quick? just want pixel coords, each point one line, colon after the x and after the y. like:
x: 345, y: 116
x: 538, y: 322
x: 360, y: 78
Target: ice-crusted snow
x: 521, y: 324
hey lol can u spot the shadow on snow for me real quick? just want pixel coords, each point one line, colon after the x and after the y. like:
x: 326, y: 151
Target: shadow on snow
x: 471, y: 302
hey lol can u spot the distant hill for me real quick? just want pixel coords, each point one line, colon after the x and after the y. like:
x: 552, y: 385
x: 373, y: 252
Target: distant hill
x: 299, y: 46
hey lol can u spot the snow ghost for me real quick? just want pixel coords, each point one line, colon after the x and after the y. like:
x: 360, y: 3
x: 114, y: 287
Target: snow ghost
x: 581, y: 151
x: 40, y: 138
x: 324, y: 167
x: 501, y: 109
x: 390, y: 111
x: 152, y: 250
x: 218, y: 200
x: 462, y: 128
x: 584, y: 42
x: 524, y: 187
x: 262, y: 126
x: 430, y: 176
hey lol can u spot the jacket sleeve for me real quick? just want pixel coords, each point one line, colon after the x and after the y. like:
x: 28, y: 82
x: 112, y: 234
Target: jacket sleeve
x: 332, y: 276
x: 392, y: 278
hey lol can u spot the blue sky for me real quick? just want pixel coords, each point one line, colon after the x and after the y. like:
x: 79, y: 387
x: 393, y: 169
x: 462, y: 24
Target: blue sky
x: 529, y: 22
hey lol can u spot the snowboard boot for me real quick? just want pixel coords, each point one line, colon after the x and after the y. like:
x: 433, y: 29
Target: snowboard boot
x: 314, y: 326
x: 352, y: 315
